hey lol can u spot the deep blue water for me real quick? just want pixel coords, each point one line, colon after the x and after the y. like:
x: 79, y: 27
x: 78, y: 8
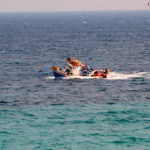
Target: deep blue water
x: 37, y: 112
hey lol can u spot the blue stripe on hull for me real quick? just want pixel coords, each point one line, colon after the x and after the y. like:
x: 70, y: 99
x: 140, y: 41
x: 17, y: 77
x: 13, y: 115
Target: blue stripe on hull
x: 58, y: 75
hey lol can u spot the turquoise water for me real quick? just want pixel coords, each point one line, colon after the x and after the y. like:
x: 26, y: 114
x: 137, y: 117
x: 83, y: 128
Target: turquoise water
x: 73, y: 127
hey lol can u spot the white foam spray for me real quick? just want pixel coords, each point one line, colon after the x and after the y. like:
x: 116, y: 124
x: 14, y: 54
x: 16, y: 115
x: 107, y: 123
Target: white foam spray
x: 112, y: 76
x: 50, y: 77
x: 125, y: 76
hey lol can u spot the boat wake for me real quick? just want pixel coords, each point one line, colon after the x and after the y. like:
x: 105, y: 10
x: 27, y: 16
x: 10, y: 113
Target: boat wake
x: 125, y: 76
x: 112, y: 76
x: 73, y: 77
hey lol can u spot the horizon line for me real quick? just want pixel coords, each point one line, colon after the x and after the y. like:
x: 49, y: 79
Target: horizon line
x: 43, y: 11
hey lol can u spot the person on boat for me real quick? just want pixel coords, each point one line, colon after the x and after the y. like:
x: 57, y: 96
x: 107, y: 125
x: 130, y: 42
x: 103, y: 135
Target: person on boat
x: 104, y: 71
x: 68, y: 71
x: 98, y: 73
x: 87, y: 68
x: 68, y: 59
x: 74, y: 62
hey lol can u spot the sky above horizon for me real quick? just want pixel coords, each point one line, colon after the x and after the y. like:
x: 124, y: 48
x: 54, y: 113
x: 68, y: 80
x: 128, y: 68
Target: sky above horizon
x: 72, y: 5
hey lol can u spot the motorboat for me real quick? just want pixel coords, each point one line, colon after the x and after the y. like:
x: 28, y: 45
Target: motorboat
x: 76, y: 69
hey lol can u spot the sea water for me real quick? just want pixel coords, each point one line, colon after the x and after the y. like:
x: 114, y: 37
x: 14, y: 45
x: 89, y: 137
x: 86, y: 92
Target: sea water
x: 39, y: 112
